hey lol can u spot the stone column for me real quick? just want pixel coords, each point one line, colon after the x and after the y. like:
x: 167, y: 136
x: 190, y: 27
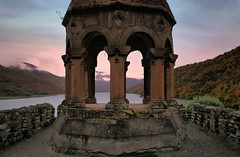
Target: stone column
x: 68, y: 81
x: 172, y: 91
x: 91, y: 85
x: 125, y: 77
x: 67, y: 64
x: 86, y: 80
x: 146, y: 65
x: 117, y: 58
x: 158, y: 78
x: 117, y: 82
x: 168, y: 82
x: 78, y: 78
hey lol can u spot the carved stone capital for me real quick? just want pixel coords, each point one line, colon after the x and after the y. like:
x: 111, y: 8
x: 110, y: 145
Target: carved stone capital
x: 65, y: 59
x: 159, y: 52
x: 77, y: 52
x: 117, y: 49
x: 173, y: 57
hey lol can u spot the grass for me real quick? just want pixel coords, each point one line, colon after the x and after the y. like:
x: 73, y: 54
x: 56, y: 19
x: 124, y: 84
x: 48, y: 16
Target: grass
x: 206, y: 100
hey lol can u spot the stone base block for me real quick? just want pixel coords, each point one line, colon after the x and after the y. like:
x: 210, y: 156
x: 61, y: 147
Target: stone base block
x: 89, y: 132
x: 117, y: 105
x: 158, y: 104
x: 91, y: 100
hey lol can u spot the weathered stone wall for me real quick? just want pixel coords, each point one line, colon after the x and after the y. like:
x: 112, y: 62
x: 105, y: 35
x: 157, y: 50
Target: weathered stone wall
x: 17, y: 124
x: 221, y: 121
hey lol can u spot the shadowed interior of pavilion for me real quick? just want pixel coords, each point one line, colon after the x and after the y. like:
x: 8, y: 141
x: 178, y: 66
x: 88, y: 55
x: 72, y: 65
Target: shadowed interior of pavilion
x: 118, y: 27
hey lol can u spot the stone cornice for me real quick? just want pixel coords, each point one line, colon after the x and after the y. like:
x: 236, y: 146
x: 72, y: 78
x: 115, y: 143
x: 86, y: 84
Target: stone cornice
x: 79, y: 7
x: 159, y: 52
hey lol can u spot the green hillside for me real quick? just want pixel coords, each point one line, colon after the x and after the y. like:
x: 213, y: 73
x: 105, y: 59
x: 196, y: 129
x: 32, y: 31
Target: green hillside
x: 137, y: 89
x: 218, y: 77
x: 18, y: 82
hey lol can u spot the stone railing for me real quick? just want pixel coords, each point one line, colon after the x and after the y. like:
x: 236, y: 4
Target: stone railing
x: 17, y: 124
x: 221, y: 121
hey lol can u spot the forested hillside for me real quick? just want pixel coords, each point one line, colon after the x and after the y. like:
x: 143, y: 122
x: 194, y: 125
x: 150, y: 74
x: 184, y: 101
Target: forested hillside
x: 15, y: 81
x: 218, y: 77
x: 137, y: 89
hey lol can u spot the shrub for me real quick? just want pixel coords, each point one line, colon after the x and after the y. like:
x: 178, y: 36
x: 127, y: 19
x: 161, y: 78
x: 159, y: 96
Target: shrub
x: 206, y: 100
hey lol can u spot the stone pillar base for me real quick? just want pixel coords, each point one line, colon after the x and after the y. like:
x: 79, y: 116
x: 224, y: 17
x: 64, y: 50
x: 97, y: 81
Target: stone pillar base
x: 71, y: 103
x: 117, y: 105
x: 91, y: 100
x: 158, y: 104
x: 146, y: 100
x: 126, y: 100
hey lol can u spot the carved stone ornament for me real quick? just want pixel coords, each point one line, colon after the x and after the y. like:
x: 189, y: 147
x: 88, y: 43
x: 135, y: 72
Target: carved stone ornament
x: 118, y: 17
x: 173, y: 57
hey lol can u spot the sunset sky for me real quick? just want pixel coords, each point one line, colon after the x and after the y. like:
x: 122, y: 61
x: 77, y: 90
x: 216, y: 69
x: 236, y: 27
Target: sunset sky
x: 31, y: 31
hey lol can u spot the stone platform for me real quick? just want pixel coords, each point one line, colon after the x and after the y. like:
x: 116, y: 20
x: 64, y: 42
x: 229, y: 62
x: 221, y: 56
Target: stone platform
x: 94, y: 130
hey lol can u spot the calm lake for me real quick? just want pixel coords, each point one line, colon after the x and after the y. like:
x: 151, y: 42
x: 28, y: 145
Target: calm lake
x: 56, y: 100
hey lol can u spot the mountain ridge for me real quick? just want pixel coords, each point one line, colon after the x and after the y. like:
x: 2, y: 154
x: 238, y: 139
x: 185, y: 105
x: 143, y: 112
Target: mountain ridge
x: 218, y: 77
x: 26, y: 80
x: 15, y: 81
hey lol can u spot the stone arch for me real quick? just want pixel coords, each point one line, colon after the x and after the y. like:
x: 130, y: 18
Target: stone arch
x: 140, y: 29
x: 89, y: 40
x: 134, y: 69
x: 93, y: 43
x: 104, y: 31
x: 140, y: 39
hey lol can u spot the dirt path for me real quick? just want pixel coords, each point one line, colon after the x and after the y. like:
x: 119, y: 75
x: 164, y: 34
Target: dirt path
x: 198, y: 144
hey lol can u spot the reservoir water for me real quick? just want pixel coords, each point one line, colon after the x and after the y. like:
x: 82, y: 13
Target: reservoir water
x: 56, y: 100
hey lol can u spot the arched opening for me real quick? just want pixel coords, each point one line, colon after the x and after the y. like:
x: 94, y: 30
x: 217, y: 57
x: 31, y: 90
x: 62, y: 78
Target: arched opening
x: 94, y: 43
x: 168, y: 46
x: 134, y: 77
x: 102, y: 79
x: 143, y: 42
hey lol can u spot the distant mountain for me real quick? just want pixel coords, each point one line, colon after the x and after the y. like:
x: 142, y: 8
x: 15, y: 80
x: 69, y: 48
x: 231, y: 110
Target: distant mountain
x: 130, y: 82
x: 137, y: 89
x: 26, y: 80
x: 218, y: 77
x: 104, y: 85
x: 15, y: 81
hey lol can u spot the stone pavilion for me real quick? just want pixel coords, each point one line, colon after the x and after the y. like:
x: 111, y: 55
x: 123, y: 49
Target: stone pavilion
x: 118, y: 27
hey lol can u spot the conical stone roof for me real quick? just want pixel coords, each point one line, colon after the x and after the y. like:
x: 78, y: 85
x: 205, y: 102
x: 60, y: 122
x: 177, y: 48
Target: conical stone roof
x: 161, y: 5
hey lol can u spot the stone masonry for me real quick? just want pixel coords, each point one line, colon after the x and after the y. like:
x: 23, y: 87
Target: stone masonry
x: 17, y: 124
x: 221, y: 121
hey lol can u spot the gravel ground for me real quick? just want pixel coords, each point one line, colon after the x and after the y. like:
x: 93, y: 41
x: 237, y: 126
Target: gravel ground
x: 198, y: 144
